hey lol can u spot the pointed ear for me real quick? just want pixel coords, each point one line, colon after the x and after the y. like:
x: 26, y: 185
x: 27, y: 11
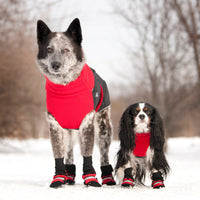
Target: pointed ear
x: 74, y: 30
x: 42, y: 30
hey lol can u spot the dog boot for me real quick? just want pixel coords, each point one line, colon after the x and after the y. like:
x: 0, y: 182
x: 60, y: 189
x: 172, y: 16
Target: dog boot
x: 128, y: 180
x: 89, y: 174
x: 60, y: 177
x: 157, y: 180
x: 106, y: 175
x: 70, y: 173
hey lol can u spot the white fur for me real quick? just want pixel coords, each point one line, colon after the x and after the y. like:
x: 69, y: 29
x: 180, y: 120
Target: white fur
x: 58, y: 35
x: 142, y: 126
x: 120, y: 172
x: 70, y: 67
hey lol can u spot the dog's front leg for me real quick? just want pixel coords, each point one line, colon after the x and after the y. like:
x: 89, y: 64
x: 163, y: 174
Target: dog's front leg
x: 58, y: 141
x: 129, y: 173
x: 87, y: 144
x: 70, y: 167
x: 156, y: 164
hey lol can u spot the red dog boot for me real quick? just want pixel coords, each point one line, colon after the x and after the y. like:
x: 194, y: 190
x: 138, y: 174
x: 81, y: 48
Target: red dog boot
x: 157, y: 180
x: 70, y: 173
x: 128, y: 180
x: 91, y: 180
x: 60, y: 177
x: 58, y: 181
x: 157, y: 184
x: 106, y: 175
x: 89, y: 174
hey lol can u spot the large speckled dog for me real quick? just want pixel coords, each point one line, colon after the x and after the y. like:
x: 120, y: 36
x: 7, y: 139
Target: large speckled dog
x: 77, y: 101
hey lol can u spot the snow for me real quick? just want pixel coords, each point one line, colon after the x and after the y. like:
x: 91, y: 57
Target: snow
x: 27, y: 167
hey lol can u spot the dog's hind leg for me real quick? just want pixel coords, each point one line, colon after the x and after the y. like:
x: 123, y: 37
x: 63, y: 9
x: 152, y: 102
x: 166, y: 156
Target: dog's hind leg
x: 87, y: 143
x: 104, y: 128
x: 58, y: 141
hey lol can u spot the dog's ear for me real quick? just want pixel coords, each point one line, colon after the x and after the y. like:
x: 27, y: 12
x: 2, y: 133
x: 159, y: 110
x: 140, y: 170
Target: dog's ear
x: 157, y: 131
x: 74, y: 30
x: 126, y: 130
x: 42, y: 31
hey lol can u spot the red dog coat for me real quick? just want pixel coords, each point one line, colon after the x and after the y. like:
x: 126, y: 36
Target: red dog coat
x: 142, y: 142
x: 70, y: 103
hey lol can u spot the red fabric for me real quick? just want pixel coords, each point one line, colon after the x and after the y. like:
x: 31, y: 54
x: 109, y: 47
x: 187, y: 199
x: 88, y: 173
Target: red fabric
x: 157, y: 184
x: 107, y: 179
x: 69, y: 104
x: 128, y: 181
x: 142, y: 142
x: 89, y: 177
x: 70, y: 177
x: 57, y: 178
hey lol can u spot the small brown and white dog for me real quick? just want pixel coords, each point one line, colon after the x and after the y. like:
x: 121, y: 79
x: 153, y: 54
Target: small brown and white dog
x: 141, y: 136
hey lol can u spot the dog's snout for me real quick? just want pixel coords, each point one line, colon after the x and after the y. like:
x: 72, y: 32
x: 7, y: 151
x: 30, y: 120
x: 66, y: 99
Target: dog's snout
x: 141, y: 116
x: 55, y: 65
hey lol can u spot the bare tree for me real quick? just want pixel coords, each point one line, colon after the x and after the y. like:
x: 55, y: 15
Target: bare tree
x: 22, y: 97
x: 188, y: 13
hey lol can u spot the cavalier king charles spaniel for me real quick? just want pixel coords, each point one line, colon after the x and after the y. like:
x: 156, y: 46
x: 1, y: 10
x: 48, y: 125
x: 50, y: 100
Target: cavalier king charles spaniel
x: 141, y: 136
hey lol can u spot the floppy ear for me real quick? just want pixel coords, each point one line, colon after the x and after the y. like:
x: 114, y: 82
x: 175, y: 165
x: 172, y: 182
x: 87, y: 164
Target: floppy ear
x: 74, y: 30
x: 126, y: 130
x: 42, y: 30
x: 157, y: 131
x: 157, y: 143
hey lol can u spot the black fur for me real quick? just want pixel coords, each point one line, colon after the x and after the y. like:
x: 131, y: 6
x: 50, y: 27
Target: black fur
x: 157, y: 143
x: 42, y: 31
x: 44, y: 35
x: 74, y: 31
x: 127, y: 141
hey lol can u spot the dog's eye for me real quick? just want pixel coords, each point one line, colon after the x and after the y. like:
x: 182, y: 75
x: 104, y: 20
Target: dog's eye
x: 138, y: 109
x: 49, y: 50
x: 66, y: 50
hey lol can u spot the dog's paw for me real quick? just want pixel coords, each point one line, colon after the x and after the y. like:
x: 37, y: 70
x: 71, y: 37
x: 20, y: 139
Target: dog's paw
x: 70, y: 173
x: 157, y: 184
x: 93, y: 184
x: 108, y: 180
x: 58, y: 181
x: 70, y: 179
x: 128, y: 183
x: 91, y: 180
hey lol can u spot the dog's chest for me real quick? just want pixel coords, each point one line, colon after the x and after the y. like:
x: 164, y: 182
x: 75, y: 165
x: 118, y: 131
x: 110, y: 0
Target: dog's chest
x: 69, y: 104
x: 142, y: 142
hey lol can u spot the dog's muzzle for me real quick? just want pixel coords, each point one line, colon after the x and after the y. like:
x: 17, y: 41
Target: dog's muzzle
x: 56, y: 65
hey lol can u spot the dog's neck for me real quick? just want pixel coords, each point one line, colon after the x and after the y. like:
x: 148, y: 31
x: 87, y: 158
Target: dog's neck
x: 141, y: 128
x: 71, y: 75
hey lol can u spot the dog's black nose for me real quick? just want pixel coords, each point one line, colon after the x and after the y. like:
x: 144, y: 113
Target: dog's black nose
x: 141, y: 116
x: 55, y: 65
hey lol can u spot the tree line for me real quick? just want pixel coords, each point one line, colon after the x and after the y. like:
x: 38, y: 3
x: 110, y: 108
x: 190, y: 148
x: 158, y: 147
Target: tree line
x: 165, y: 64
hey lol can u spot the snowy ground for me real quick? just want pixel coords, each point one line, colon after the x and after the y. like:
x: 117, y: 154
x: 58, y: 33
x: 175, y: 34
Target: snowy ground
x: 27, y: 167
